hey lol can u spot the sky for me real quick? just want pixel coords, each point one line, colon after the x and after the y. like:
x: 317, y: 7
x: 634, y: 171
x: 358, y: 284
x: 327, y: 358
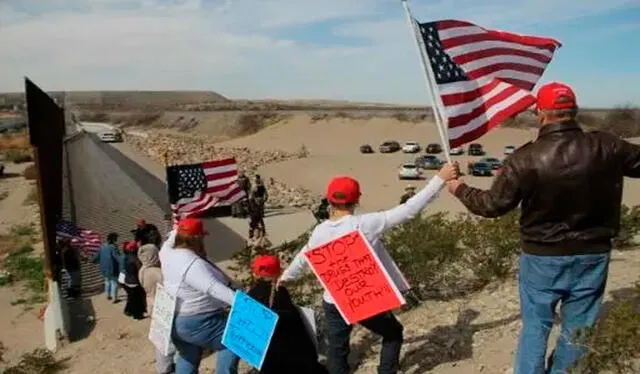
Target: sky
x: 359, y: 50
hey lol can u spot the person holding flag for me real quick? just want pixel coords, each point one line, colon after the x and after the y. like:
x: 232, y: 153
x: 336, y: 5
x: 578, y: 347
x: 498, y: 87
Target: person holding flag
x: 343, y: 194
x: 568, y: 183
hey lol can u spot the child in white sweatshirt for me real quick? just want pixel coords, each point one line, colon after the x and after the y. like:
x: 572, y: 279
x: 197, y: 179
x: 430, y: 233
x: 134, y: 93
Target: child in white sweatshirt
x: 343, y: 194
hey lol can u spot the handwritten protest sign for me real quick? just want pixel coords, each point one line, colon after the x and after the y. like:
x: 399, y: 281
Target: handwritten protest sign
x: 164, y: 306
x: 249, y: 329
x: 353, y: 275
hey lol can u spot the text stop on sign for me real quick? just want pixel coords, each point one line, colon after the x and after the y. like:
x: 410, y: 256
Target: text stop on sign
x: 351, y: 272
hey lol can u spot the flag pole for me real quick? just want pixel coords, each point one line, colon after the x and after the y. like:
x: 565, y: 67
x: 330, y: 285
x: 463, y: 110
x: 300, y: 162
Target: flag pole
x: 428, y: 76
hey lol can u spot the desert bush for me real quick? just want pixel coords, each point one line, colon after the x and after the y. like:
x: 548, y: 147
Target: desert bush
x: 623, y: 121
x: 250, y: 123
x: 39, y: 361
x: 401, y: 116
x: 4, y: 195
x: 315, y: 117
x: 18, y: 156
x: 612, y: 344
x: 30, y: 172
x: 629, y: 227
x: 303, y: 152
x: 492, y: 246
x: 94, y: 117
x: 24, y: 267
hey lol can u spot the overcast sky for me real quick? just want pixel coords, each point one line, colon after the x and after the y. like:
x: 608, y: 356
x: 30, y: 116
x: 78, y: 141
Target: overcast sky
x: 327, y: 49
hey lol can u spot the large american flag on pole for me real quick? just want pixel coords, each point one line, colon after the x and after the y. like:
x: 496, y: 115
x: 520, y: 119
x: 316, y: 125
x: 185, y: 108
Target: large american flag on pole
x: 87, y: 241
x: 194, y: 188
x: 482, y: 76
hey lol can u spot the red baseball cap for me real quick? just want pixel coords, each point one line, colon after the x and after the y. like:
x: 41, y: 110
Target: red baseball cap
x: 343, y: 190
x: 266, y: 266
x: 141, y: 222
x: 191, y: 227
x: 555, y: 95
x: 130, y: 246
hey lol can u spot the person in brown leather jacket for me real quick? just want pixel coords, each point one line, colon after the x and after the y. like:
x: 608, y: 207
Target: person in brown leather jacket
x: 569, y: 185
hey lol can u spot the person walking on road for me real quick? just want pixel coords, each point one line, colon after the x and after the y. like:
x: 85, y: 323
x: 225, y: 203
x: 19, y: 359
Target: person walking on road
x: 409, y: 191
x: 259, y: 193
x: 343, y: 194
x: 108, y: 258
x: 136, y: 299
x: 203, y: 292
x: 569, y: 184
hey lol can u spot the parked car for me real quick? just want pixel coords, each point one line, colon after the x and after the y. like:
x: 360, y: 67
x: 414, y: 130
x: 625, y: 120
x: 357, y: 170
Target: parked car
x: 366, y: 148
x: 110, y: 136
x: 389, y: 146
x: 409, y: 170
x: 457, y: 151
x: 509, y: 149
x: 428, y: 162
x: 411, y: 147
x: 494, y: 162
x: 480, y: 169
x: 475, y: 149
x: 433, y: 148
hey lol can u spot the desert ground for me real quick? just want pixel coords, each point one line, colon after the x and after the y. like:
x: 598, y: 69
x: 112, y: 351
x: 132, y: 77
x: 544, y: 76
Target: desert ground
x: 469, y: 335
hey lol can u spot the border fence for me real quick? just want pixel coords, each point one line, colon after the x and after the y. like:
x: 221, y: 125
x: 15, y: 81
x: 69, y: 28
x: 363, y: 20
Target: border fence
x: 90, y: 184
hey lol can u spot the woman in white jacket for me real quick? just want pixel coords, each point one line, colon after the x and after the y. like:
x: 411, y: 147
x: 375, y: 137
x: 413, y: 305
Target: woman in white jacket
x: 202, y: 293
x: 343, y: 194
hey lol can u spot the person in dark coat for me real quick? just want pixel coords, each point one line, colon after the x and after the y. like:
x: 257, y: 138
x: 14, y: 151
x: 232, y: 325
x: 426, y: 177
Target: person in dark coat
x: 257, y: 229
x: 136, y: 297
x: 292, y: 350
x: 71, y: 263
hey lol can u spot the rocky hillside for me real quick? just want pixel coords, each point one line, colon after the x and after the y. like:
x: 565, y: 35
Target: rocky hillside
x: 184, y: 149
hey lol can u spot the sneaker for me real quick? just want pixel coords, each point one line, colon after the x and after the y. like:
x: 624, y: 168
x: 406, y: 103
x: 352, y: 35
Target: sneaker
x: 109, y: 298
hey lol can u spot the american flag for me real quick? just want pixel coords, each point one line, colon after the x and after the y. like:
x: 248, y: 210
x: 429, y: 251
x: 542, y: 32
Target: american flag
x: 86, y: 240
x: 195, y: 188
x: 483, y: 76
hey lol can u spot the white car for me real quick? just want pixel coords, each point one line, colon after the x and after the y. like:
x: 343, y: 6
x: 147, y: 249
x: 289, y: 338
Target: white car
x: 110, y: 136
x: 457, y: 151
x: 409, y: 170
x: 509, y: 149
x: 411, y: 147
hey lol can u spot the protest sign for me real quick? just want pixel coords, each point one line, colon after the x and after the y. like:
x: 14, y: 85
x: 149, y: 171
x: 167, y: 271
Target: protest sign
x: 164, y: 306
x: 351, y: 272
x: 249, y: 329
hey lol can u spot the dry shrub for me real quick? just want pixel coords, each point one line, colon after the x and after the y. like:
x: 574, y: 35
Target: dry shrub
x: 251, y: 123
x: 15, y: 141
x: 18, y: 156
x: 30, y: 172
x: 623, y: 121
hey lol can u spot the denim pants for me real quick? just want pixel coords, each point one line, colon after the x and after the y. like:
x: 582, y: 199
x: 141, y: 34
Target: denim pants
x: 579, y: 283
x: 111, y: 287
x: 384, y: 324
x: 192, y: 334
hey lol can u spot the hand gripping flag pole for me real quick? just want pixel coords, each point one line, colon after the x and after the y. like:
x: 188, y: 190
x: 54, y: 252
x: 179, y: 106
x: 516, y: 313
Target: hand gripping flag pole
x: 436, y: 105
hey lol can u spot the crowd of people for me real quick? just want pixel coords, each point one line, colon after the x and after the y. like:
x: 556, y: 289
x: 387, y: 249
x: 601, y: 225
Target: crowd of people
x: 568, y: 183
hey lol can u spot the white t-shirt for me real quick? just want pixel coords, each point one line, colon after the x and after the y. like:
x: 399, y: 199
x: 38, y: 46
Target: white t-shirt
x: 204, y: 289
x: 373, y: 226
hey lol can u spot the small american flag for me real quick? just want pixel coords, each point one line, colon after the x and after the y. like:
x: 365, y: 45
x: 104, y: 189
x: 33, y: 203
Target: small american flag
x: 195, y: 188
x: 483, y: 76
x: 86, y: 240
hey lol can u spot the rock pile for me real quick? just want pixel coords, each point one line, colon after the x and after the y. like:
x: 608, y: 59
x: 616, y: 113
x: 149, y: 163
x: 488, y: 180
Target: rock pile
x: 185, y: 148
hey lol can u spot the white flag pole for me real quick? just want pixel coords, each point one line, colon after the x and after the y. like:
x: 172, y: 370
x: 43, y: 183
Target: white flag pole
x: 428, y: 76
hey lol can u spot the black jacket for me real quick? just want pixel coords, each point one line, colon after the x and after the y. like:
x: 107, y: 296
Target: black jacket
x: 131, y: 268
x: 569, y: 183
x: 291, y: 350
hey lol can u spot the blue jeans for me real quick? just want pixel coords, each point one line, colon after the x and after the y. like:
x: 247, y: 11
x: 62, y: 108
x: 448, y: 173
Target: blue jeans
x: 544, y: 281
x: 192, y: 334
x: 385, y: 324
x: 111, y: 287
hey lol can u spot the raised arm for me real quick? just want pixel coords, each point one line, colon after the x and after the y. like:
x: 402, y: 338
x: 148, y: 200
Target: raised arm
x: 378, y: 223
x: 170, y: 241
x: 200, y: 277
x: 630, y: 159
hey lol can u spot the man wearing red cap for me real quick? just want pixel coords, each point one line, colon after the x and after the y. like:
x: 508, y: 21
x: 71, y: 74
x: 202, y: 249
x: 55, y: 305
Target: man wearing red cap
x: 343, y: 194
x: 569, y: 185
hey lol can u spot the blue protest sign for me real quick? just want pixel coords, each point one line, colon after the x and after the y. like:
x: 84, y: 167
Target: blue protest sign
x: 249, y: 329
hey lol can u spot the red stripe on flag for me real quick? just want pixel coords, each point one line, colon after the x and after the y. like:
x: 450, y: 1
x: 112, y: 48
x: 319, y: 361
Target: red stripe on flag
x: 497, y: 36
x: 497, y: 119
x: 463, y: 119
x: 464, y: 97
x: 218, y: 163
x: 486, y: 70
x: 493, y: 52
x: 222, y: 175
